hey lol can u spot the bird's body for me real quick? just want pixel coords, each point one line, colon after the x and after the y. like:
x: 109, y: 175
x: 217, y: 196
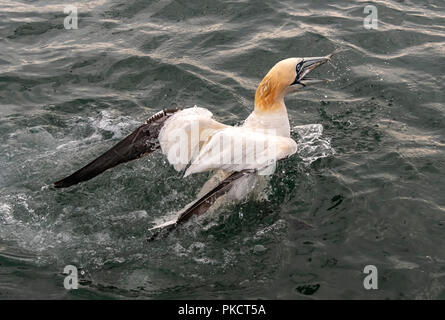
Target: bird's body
x: 193, y: 141
x: 209, y: 145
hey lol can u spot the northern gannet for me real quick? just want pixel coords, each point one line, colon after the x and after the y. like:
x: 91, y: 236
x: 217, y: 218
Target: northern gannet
x: 239, y: 155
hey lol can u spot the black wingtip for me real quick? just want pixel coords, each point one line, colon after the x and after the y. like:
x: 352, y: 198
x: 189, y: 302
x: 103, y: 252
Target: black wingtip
x: 161, y: 232
x: 62, y: 184
x: 59, y: 185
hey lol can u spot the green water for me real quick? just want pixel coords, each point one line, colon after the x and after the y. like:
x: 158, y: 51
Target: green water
x: 68, y: 95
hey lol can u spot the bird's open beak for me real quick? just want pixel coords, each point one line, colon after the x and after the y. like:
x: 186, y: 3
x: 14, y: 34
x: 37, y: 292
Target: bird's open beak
x: 310, y: 64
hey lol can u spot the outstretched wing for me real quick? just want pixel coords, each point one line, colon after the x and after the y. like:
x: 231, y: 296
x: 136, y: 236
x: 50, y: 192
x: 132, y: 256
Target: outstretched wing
x: 140, y: 142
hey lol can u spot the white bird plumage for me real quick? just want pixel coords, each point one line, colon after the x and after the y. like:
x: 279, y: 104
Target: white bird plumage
x: 191, y: 137
x: 213, y: 146
x: 267, y: 126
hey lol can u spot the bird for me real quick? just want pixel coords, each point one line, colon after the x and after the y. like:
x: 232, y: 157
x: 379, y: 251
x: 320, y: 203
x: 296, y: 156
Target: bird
x: 240, y: 157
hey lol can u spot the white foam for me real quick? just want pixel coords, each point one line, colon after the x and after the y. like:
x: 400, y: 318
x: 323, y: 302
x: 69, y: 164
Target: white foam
x: 311, y: 144
x: 110, y: 122
x: 6, y: 213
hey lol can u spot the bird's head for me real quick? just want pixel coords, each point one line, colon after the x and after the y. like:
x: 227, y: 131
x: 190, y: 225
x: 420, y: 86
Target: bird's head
x: 287, y: 76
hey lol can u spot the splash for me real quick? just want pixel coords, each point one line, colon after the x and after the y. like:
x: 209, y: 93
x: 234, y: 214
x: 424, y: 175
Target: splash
x: 311, y: 144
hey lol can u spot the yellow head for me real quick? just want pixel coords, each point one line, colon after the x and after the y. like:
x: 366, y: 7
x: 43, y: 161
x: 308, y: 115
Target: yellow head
x: 285, y: 77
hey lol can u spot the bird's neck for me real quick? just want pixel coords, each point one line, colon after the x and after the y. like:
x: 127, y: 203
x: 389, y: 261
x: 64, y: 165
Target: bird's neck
x: 269, y: 96
x: 276, y: 106
x: 274, y: 117
x: 270, y: 111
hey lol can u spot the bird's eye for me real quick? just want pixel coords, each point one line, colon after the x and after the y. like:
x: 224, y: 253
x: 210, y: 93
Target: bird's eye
x: 299, y: 66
